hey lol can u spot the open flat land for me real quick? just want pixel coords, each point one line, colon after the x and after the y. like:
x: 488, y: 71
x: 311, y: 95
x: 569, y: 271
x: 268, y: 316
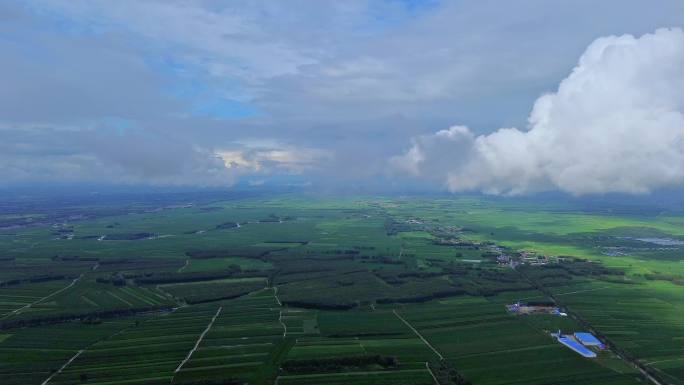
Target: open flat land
x: 293, y: 289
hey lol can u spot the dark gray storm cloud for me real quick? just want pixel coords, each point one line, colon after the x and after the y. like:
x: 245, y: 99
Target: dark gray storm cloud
x: 206, y: 92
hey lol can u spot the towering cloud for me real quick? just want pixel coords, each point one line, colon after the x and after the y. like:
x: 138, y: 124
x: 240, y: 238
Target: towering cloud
x: 615, y: 124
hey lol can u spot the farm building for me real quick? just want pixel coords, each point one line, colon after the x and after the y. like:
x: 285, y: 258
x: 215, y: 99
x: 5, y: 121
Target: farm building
x: 587, y: 339
x: 576, y: 346
x: 534, y: 308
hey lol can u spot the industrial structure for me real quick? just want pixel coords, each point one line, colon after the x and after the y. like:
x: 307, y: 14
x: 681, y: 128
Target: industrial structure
x: 580, y: 343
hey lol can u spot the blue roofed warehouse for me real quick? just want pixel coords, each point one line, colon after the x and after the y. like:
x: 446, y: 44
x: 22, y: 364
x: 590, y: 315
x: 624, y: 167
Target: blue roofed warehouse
x: 587, y: 339
x: 576, y: 346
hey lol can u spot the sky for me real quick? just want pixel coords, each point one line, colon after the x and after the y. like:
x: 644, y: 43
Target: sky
x: 501, y: 97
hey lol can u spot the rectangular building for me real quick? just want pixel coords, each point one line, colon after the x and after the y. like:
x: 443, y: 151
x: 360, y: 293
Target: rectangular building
x: 587, y: 339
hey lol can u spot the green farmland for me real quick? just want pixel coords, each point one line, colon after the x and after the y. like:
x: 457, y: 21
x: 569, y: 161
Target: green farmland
x: 295, y: 290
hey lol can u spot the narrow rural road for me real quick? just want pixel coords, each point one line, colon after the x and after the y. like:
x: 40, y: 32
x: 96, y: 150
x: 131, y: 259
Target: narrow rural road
x: 275, y: 294
x: 427, y: 366
x: 63, y: 367
x: 180, y: 269
x: 54, y: 293
x: 418, y: 334
x: 280, y: 319
x: 199, y: 340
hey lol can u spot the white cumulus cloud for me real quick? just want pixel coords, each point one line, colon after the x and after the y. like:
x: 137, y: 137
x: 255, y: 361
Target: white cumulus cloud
x: 615, y: 124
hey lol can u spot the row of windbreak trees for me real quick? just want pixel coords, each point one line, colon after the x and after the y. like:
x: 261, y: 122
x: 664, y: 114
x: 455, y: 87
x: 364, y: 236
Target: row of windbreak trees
x: 88, y: 317
x: 337, y: 364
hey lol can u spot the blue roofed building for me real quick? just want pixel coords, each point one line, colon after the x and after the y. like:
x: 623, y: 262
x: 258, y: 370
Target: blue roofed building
x: 587, y: 339
x: 576, y: 346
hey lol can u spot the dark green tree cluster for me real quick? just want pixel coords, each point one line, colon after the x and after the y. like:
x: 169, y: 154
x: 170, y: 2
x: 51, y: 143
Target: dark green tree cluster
x: 337, y: 364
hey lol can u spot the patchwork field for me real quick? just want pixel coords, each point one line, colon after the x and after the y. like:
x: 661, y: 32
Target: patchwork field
x: 291, y: 289
x: 17, y: 298
x: 245, y: 343
x: 646, y: 320
x: 147, y: 353
x: 477, y: 335
x: 31, y: 355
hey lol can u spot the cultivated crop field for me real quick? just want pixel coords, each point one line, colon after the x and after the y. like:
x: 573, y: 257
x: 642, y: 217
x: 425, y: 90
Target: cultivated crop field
x: 293, y: 289
x: 645, y: 320
x: 477, y: 334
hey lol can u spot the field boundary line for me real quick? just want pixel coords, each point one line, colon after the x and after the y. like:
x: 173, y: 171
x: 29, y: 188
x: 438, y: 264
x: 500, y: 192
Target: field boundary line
x: 111, y: 293
x: 130, y: 291
x: 583, y: 291
x: 75, y: 356
x: 199, y: 340
x: 54, y: 293
x: 90, y: 301
x: 668, y: 360
x: 418, y: 334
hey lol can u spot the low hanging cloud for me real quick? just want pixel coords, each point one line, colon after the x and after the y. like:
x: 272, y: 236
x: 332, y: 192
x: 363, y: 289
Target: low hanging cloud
x: 48, y: 154
x: 273, y: 160
x: 615, y: 124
